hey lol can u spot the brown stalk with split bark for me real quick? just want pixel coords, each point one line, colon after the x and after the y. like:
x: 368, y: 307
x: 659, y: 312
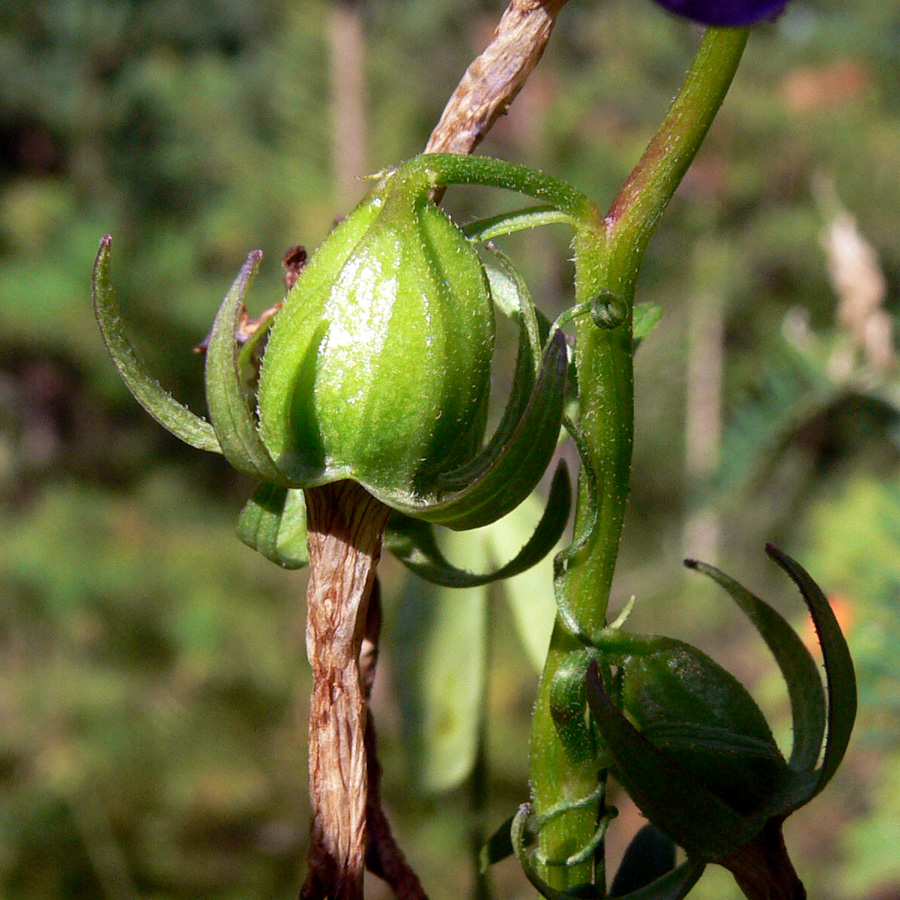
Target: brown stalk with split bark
x: 350, y: 831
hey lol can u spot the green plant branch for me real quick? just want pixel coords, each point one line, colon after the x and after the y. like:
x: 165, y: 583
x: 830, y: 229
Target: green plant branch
x: 607, y: 260
x: 637, y: 207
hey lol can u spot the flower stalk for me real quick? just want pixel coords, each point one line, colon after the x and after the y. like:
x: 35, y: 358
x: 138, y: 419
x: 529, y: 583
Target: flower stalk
x: 608, y: 255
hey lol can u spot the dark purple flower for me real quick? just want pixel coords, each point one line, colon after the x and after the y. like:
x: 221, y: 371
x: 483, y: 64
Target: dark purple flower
x: 726, y: 13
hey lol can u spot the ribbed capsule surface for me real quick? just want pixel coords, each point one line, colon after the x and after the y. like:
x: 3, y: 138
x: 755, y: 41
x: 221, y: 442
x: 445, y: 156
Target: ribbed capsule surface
x: 378, y: 365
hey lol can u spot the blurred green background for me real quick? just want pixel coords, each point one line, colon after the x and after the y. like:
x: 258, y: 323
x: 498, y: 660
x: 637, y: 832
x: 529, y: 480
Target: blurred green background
x: 152, y: 669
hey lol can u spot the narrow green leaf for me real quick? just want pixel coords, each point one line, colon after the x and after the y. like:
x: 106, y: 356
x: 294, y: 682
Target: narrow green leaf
x: 840, y: 676
x: 273, y: 522
x: 497, y: 847
x: 519, y: 220
x: 646, y: 317
x: 172, y: 415
x: 666, y: 793
x: 231, y: 416
x: 413, y: 542
x: 439, y: 651
x: 529, y: 594
x: 795, y: 662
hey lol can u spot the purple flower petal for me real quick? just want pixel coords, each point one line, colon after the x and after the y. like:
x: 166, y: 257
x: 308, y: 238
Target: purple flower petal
x: 726, y: 13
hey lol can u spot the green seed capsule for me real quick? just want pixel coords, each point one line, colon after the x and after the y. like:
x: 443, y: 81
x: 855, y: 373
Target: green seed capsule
x: 378, y: 365
x: 704, y: 719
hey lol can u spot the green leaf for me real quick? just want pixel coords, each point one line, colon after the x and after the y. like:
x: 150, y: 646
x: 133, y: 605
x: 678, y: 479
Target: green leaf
x: 273, y: 522
x: 518, y: 220
x: 414, y: 543
x: 440, y: 640
x: 646, y: 317
x: 172, y: 415
x: 840, y: 677
x: 795, y: 662
x: 530, y: 594
x: 671, y: 797
x: 232, y: 418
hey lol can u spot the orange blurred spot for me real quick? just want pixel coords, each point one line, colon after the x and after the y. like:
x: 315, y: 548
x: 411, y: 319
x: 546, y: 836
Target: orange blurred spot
x: 816, y: 89
x: 844, y: 612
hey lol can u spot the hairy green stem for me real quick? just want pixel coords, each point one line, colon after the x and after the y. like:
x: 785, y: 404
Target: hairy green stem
x: 608, y: 255
x: 443, y: 169
x: 633, y: 215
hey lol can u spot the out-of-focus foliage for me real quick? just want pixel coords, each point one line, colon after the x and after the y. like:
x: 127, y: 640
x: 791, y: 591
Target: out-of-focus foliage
x: 856, y: 541
x: 151, y: 667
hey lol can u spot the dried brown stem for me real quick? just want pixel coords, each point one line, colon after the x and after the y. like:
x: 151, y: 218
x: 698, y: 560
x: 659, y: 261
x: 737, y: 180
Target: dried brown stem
x: 346, y: 526
x: 494, y: 78
x: 384, y: 857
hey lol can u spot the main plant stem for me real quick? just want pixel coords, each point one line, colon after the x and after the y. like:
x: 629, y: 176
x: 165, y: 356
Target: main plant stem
x: 346, y: 526
x: 608, y: 256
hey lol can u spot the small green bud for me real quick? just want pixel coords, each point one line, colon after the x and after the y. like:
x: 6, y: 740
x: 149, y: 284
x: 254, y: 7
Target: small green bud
x: 704, y: 719
x: 609, y: 310
x: 693, y: 750
x: 378, y: 366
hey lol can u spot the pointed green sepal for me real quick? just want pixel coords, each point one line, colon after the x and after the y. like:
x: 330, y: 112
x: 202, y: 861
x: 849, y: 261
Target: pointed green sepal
x: 512, y: 297
x: 795, y: 662
x: 518, y: 220
x: 568, y: 705
x: 513, y: 462
x: 414, y: 543
x: 229, y: 410
x: 273, y: 522
x: 840, y: 676
x: 670, y: 796
x: 172, y: 415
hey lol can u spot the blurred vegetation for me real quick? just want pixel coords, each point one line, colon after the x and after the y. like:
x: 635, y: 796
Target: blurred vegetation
x: 152, y: 671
